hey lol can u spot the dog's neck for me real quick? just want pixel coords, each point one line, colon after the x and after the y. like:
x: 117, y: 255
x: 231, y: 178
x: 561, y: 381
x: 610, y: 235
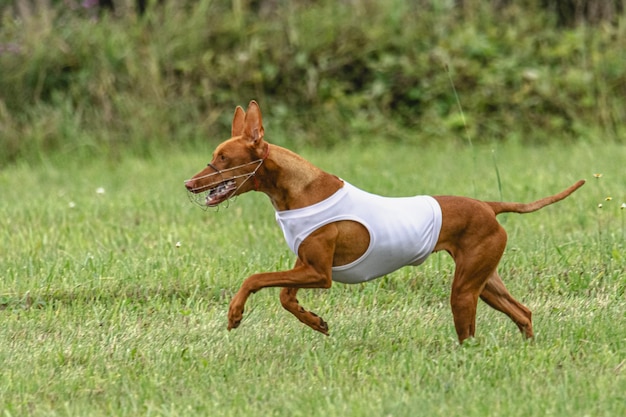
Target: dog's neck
x: 292, y: 182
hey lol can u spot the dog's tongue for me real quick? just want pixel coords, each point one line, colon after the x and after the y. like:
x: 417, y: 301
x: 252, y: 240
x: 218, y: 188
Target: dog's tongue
x: 210, y: 199
x: 213, y: 197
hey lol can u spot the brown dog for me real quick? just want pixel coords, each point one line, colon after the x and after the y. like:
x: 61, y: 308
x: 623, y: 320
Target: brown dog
x: 336, y: 247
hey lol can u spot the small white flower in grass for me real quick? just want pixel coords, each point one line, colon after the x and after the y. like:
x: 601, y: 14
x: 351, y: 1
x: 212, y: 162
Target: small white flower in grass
x: 600, y: 205
x: 71, y: 204
x: 609, y: 198
x: 178, y: 244
x: 100, y: 190
x: 623, y: 206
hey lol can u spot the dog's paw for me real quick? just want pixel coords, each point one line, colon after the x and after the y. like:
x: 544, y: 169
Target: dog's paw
x: 235, y: 315
x: 233, y: 324
x: 321, y: 327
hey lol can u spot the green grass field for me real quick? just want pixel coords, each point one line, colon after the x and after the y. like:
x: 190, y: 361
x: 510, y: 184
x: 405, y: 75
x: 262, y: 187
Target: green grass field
x: 114, y: 290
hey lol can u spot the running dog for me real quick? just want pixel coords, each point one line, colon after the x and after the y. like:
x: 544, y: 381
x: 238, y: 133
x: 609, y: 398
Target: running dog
x: 341, y: 233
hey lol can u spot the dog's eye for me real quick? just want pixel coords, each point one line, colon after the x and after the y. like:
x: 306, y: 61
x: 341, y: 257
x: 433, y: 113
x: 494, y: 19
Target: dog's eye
x: 220, y: 158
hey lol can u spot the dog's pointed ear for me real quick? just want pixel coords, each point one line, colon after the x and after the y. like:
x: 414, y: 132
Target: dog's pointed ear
x: 253, y: 124
x: 238, y: 121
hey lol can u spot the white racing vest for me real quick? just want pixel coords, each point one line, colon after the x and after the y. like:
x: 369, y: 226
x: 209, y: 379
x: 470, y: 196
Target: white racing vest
x: 403, y: 230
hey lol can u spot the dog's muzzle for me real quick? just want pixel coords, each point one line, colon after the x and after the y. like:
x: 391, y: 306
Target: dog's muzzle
x: 220, y: 186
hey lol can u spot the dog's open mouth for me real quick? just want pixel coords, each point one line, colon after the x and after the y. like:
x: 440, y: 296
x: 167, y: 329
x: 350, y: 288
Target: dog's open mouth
x: 212, y: 189
x: 220, y: 193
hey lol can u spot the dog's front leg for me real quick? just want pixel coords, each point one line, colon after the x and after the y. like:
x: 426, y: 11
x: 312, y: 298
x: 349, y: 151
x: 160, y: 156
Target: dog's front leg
x: 299, y: 277
x: 290, y: 303
x: 312, y: 270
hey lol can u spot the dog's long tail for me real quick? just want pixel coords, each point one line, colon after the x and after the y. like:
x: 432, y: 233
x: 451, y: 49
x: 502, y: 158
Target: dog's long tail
x: 504, y: 207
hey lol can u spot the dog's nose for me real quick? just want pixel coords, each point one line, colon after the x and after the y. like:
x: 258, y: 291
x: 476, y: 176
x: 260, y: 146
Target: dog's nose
x: 189, y: 185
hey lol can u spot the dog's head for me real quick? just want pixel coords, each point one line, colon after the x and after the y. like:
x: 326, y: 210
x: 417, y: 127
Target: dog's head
x: 235, y: 161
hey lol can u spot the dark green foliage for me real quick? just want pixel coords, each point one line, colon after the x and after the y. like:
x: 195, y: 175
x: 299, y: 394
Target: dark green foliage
x: 323, y: 72
x: 569, y: 12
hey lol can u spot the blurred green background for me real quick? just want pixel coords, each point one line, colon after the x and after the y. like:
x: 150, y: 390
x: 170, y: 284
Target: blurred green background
x: 81, y: 80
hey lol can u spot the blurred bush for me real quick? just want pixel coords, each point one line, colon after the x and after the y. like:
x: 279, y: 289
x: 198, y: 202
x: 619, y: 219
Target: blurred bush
x: 86, y: 83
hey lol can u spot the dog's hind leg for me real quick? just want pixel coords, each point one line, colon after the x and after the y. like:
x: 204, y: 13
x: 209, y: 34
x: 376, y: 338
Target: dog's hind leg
x: 476, y: 261
x: 290, y: 303
x: 496, y: 295
x: 463, y: 301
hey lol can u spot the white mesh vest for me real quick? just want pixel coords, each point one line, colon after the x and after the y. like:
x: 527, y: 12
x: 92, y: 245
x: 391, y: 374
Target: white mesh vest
x: 403, y: 230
